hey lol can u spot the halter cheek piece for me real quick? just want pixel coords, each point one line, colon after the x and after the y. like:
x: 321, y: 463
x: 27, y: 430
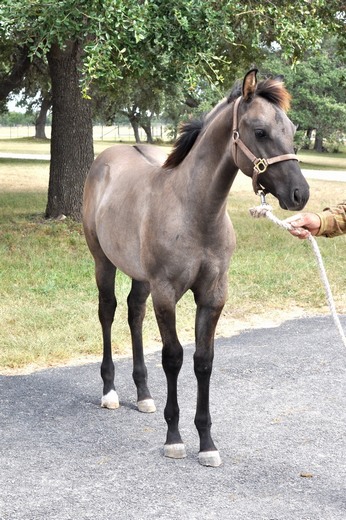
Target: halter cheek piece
x: 259, y: 165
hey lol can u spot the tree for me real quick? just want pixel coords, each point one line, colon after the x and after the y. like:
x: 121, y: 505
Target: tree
x: 139, y: 100
x: 179, y: 40
x: 72, y: 136
x: 318, y: 88
x: 20, y: 74
x: 317, y: 85
x: 41, y: 119
x: 14, y: 63
x: 36, y: 97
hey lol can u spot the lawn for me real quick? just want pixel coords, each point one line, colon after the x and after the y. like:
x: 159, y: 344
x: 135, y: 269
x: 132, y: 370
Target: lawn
x: 48, y: 303
x: 322, y: 161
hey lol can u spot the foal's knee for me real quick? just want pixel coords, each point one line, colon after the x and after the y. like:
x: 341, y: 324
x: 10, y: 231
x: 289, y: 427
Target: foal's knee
x: 172, y: 358
x: 203, y: 365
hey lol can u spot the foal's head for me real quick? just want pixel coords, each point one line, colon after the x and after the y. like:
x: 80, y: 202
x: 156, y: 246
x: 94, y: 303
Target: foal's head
x: 261, y: 124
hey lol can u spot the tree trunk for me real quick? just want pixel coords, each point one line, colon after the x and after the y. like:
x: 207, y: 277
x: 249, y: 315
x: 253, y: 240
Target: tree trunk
x: 72, y: 138
x: 40, y: 124
x: 135, y: 127
x: 318, y: 146
x: 147, y: 129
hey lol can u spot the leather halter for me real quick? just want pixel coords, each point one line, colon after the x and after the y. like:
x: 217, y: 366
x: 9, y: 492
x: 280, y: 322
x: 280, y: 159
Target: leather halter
x: 259, y: 165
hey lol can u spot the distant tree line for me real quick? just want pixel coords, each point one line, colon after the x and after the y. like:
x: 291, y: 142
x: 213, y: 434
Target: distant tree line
x: 15, y: 118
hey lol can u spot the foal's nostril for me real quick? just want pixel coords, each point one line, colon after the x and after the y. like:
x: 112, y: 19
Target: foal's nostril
x: 297, y: 197
x: 300, y: 198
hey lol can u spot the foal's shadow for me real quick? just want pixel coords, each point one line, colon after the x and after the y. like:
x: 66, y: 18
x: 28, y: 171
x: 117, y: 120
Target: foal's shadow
x: 129, y: 405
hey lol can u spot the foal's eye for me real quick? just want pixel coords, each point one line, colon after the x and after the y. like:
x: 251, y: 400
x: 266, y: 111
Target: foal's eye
x: 260, y: 133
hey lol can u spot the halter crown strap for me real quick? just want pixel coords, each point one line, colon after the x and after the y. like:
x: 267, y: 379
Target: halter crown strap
x: 259, y: 165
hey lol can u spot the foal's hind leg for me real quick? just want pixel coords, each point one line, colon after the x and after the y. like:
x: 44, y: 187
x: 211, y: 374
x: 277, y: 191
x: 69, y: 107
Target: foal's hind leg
x: 105, y: 277
x: 136, y: 302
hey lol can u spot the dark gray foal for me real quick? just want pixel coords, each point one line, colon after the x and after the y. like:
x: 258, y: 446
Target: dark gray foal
x: 163, y: 222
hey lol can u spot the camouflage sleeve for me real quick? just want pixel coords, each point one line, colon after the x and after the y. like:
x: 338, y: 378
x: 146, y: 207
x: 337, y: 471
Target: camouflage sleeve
x: 333, y: 221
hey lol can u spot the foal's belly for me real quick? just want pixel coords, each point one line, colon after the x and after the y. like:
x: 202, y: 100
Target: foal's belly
x: 124, y: 252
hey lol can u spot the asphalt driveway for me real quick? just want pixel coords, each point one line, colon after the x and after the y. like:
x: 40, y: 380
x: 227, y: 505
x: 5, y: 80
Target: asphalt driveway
x: 278, y: 405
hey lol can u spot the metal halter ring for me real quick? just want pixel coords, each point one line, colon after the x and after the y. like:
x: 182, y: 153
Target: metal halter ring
x: 235, y: 135
x: 261, y: 165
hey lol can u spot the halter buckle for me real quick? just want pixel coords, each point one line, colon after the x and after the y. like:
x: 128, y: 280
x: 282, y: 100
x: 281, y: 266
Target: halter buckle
x: 260, y: 165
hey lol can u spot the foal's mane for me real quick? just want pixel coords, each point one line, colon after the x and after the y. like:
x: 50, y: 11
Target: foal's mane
x: 273, y: 90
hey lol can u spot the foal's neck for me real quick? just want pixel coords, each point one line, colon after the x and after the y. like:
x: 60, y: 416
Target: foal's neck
x: 210, y: 167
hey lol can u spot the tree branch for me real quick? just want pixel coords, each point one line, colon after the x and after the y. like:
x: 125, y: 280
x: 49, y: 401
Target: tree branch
x: 13, y: 80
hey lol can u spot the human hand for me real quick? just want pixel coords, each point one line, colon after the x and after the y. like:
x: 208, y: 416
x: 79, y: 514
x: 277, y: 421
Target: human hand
x: 304, y: 224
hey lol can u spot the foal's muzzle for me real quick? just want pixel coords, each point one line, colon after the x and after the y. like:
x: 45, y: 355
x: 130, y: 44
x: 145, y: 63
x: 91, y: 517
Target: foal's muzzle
x: 294, y: 200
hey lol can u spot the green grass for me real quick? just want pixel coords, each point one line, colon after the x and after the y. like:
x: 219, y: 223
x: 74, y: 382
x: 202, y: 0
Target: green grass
x: 322, y: 161
x: 48, y: 298
x: 25, y: 145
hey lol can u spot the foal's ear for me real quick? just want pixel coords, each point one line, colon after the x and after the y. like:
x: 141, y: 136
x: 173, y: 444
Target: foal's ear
x: 249, y: 85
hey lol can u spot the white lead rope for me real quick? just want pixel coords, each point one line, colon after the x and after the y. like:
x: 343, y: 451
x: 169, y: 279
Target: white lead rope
x: 265, y: 210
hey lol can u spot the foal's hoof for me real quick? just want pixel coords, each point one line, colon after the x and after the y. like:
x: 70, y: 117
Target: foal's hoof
x: 209, y: 458
x: 110, y: 400
x: 146, y: 406
x: 174, y: 451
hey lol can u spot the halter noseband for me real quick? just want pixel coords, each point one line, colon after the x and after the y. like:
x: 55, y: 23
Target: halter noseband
x: 259, y: 165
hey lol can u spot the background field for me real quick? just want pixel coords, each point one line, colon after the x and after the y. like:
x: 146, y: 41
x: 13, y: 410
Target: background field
x: 309, y: 159
x: 100, y: 132
x: 48, y: 298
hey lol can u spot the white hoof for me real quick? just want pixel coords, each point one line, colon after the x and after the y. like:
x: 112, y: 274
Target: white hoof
x: 209, y: 458
x: 146, y: 406
x: 110, y: 400
x: 174, y: 451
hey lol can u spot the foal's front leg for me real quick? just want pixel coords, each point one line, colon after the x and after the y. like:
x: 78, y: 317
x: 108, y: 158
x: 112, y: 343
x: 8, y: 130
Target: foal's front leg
x: 206, y: 319
x: 172, y: 360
